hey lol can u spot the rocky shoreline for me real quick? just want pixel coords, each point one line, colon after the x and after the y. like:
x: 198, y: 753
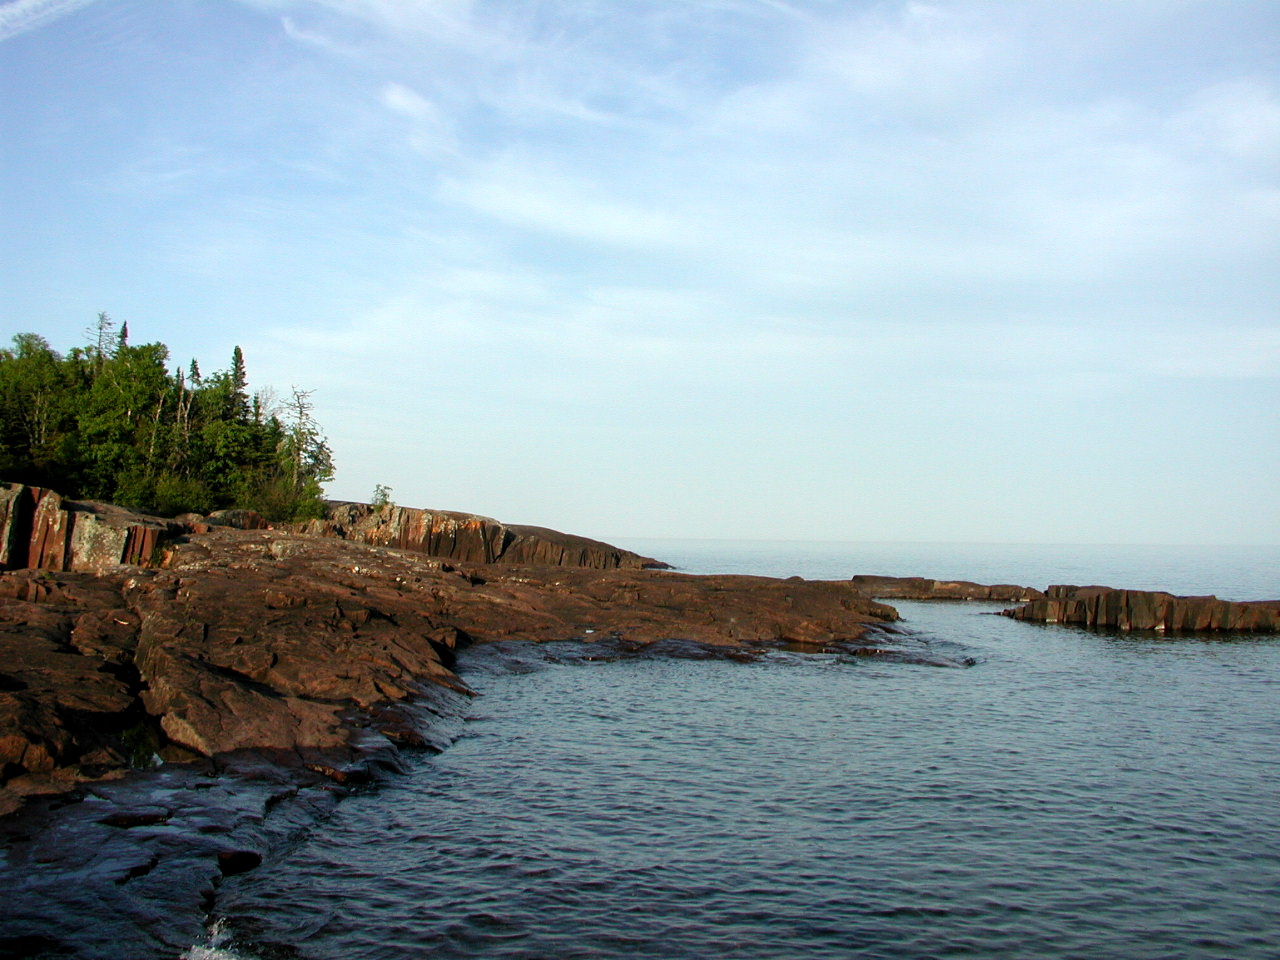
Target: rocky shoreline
x: 921, y: 588
x: 1107, y: 608
x: 143, y: 660
x: 127, y: 640
x: 325, y: 647
x: 302, y: 663
x: 1160, y: 612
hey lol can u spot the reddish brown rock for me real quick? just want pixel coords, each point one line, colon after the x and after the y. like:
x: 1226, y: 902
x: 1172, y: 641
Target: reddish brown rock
x: 326, y: 653
x: 470, y: 538
x: 17, y: 509
x: 920, y: 588
x: 240, y: 519
x: 62, y: 713
x: 1110, y: 608
x: 41, y: 529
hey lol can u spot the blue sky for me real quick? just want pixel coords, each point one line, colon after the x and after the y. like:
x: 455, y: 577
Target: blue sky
x: 973, y: 271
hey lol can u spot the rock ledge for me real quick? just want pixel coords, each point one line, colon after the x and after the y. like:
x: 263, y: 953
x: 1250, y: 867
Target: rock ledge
x: 1108, y: 607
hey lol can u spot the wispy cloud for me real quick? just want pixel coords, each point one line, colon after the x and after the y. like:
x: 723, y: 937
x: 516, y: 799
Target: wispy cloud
x: 431, y: 134
x: 438, y: 22
x: 168, y: 167
x: 316, y: 38
x: 565, y: 204
x: 19, y: 16
x: 1239, y: 118
x: 919, y: 54
x: 829, y: 226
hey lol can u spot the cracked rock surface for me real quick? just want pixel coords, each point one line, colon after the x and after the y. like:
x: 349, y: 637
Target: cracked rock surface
x: 322, y: 653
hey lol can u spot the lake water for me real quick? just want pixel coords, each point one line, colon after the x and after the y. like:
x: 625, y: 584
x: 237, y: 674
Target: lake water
x: 1071, y: 794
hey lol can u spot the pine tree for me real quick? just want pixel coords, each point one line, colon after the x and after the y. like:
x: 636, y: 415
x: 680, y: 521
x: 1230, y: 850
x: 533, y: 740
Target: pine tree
x: 109, y: 421
x: 237, y: 383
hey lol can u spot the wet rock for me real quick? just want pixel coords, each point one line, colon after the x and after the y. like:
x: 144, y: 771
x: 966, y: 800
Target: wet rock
x: 324, y: 654
x: 1107, y: 607
x: 127, y: 819
x: 75, y: 885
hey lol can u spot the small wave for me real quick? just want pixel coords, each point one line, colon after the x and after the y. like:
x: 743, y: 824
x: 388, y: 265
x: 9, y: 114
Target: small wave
x: 216, y: 946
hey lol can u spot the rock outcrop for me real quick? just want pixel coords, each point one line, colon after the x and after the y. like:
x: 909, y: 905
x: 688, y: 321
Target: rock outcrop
x: 1106, y: 607
x: 327, y: 654
x: 920, y: 588
x: 39, y: 528
x: 469, y: 538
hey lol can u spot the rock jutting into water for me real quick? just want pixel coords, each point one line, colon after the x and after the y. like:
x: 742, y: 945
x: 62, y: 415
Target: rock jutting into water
x: 299, y: 664
x: 1108, y: 607
x: 1090, y: 606
x: 301, y: 660
x: 920, y: 588
x: 323, y: 652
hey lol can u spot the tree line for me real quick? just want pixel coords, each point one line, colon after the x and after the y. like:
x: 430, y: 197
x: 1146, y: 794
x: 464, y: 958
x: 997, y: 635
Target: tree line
x: 109, y: 421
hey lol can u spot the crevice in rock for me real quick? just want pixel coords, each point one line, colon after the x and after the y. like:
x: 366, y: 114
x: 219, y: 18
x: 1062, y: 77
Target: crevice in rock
x: 10, y: 684
x: 236, y: 676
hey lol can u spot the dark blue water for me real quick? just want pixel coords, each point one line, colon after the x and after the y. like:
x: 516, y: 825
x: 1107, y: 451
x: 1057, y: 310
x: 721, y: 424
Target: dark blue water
x: 1073, y: 794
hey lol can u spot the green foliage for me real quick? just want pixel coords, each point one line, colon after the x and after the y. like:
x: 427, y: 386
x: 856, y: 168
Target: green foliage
x: 108, y: 421
x: 381, y: 497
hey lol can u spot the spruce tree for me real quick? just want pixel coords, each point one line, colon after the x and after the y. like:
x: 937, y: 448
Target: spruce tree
x: 108, y: 421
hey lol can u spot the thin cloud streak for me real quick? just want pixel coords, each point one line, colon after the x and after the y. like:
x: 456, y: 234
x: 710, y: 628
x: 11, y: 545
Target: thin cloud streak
x: 19, y: 16
x: 774, y: 232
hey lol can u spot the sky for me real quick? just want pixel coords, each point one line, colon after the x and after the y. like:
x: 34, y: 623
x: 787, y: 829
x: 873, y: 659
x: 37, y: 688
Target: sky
x: 770, y: 269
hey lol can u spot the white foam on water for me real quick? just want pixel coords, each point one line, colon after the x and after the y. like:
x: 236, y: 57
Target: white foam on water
x: 215, y: 948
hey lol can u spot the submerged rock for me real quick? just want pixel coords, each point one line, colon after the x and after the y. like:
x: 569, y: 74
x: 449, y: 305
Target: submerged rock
x: 129, y: 869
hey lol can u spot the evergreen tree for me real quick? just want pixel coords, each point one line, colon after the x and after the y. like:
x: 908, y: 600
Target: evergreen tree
x: 237, y: 384
x: 108, y: 421
x: 100, y: 335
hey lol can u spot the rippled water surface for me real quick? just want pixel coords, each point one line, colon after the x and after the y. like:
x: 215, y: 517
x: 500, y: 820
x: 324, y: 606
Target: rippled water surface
x: 1073, y: 794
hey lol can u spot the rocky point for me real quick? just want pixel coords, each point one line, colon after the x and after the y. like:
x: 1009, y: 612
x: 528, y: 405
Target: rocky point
x: 321, y: 653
